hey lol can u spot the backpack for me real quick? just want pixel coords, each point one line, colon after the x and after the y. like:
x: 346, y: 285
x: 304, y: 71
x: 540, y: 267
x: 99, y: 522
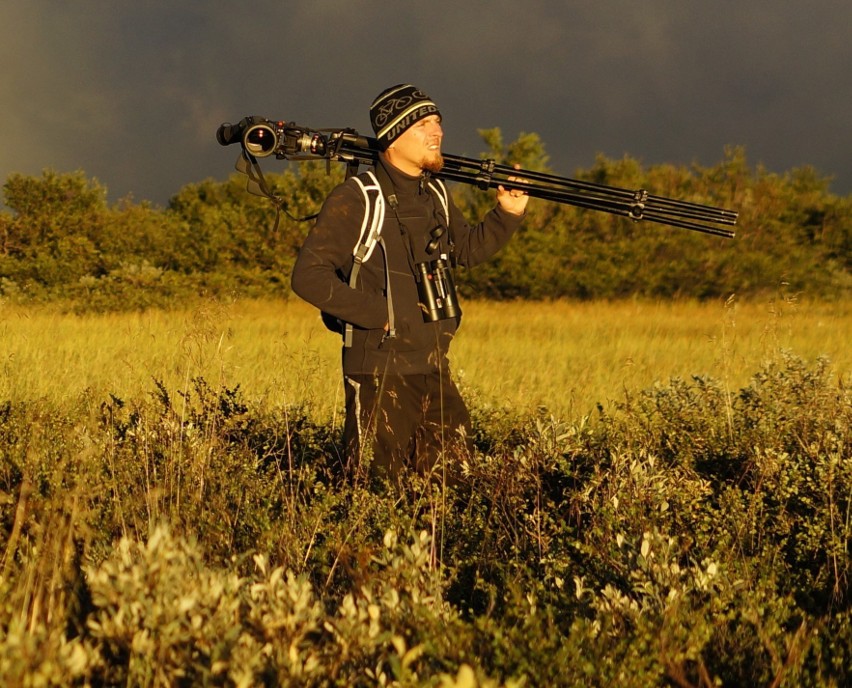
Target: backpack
x: 376, y: 201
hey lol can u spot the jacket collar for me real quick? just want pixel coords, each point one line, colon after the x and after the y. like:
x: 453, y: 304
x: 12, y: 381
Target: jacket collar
x: 403, y: 183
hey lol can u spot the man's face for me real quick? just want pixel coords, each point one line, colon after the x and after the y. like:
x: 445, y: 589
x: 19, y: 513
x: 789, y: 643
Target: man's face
x: 419, y: 147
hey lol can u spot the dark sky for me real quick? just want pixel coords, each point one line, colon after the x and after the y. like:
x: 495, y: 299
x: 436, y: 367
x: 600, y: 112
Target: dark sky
x: 132, y: 92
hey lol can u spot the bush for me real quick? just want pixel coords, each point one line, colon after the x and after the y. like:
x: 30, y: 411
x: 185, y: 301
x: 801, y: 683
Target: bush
x: 688, y: 536
x: 62, y: 241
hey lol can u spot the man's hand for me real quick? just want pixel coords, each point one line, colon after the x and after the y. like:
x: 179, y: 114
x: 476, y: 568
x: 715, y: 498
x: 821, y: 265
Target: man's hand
x: 513, y: 200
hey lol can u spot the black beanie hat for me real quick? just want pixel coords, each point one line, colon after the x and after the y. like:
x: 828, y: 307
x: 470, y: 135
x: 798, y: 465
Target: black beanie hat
x: 397, y: 108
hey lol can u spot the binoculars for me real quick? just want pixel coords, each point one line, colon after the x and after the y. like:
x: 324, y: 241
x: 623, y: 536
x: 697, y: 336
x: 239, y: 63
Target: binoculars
x: 436, y: 289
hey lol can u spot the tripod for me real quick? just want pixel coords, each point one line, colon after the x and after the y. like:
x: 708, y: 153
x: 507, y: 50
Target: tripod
x: 261, y: 137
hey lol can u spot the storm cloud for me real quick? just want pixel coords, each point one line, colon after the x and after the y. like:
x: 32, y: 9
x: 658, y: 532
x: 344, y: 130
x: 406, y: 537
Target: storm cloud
x: 132, y: 93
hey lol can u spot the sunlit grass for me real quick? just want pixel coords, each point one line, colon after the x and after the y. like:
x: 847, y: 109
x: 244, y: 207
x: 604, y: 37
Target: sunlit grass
x: 274, y: 351
x: 564, y: 356
x: 570, y: 356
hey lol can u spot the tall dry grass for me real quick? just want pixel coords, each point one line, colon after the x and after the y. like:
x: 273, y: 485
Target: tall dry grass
x: 570, y: 356
x: 564, y: 356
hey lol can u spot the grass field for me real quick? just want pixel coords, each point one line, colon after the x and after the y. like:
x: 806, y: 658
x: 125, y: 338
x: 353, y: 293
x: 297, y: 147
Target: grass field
x: 564, y: 356
x: 694, y: 537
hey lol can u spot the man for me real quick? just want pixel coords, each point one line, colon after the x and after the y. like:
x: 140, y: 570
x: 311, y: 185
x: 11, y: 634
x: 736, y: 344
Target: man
x: 403, y: 409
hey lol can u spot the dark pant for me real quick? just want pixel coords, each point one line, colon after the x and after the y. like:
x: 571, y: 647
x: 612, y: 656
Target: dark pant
x: 416, y: 421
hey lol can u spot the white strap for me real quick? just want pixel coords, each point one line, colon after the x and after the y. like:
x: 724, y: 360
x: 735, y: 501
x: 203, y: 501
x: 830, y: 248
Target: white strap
x: 374, y: 217
x: 371, y: 234
x: 440, y: 190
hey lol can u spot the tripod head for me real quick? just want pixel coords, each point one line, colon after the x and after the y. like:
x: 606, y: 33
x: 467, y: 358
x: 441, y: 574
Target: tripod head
x: 260, y: 138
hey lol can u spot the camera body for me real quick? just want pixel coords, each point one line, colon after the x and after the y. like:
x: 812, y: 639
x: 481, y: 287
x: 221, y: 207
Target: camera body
x: 263, y: 137
x: 436, y: 289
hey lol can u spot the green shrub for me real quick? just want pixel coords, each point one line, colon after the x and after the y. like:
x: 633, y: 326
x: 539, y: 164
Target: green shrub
x: 690, y: 536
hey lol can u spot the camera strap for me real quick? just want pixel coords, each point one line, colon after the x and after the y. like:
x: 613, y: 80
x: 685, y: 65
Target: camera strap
x: 256, y: 184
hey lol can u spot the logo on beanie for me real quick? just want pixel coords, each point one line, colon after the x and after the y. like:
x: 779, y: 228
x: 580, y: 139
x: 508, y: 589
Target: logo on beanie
x: 397, y: 108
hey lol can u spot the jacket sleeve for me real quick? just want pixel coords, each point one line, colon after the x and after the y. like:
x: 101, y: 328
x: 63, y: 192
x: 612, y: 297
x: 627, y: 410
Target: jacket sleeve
x: 325, y: 259
x: 475, y: 245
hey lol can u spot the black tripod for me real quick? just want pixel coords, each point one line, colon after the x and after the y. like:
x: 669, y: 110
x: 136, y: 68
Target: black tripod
x: 260, y: 137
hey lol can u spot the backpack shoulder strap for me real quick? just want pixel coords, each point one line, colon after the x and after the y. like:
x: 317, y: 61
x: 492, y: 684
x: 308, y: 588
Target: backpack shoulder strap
x: 374, y: 217
x: 371, y: 234
x: 440, y: 191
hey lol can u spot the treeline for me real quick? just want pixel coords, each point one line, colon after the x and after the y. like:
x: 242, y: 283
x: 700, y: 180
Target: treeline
x: 60, y: 240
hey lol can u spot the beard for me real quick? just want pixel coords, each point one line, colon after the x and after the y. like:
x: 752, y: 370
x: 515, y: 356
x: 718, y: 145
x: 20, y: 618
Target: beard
x: 434, y: 162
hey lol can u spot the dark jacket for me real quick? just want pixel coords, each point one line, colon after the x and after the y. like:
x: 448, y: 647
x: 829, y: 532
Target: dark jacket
x: 322, y: 268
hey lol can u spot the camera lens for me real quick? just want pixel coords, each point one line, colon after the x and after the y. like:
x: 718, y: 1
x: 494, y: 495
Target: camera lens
x: 260, y: 140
